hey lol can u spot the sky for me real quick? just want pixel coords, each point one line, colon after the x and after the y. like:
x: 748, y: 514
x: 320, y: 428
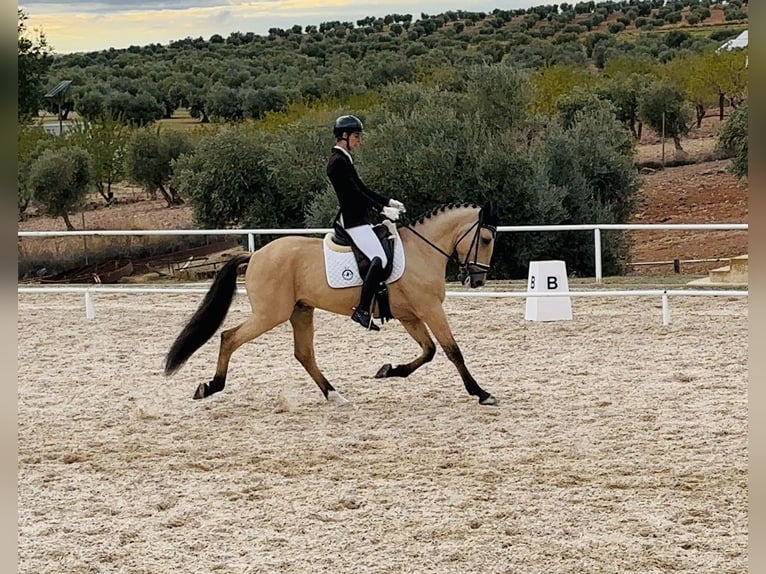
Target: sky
x: 92, y: 25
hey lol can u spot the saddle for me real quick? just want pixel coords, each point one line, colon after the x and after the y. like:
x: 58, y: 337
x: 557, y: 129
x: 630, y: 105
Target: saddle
x: 385, y: 235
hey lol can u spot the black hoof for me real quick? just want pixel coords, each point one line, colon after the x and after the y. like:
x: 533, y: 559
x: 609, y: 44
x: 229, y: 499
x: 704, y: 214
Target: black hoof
x: 384, y: 371
x: 207, y: 389
x: 488, y: 400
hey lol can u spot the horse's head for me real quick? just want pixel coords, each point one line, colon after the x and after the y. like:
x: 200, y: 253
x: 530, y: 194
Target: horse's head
x: 475, y: 245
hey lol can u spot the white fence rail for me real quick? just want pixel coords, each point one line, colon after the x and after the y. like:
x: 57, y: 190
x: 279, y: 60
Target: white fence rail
x: 90, y: 291
x: 251, y: 233
x: 665, y: 294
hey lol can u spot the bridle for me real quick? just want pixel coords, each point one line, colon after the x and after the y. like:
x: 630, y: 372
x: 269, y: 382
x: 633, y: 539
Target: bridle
x: 466, y: 269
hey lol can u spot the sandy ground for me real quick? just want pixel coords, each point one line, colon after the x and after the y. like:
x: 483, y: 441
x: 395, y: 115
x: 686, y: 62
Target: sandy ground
x: 620, y: 445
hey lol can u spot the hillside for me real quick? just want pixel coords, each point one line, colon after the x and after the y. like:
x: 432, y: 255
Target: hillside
x: 246, y: 75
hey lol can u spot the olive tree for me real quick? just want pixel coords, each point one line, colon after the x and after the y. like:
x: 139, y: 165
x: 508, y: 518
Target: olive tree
x: 59, y: 181
x: 228, y: 181
x: 149, y: 154
x: 104, y: 138
x: 32, y: 140
x: 662, y: 107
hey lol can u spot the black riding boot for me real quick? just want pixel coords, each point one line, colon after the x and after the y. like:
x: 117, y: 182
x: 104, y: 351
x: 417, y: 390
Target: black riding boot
x: 362, y: 313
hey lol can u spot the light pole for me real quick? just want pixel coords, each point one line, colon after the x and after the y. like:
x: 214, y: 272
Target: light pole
x: 58, y: 93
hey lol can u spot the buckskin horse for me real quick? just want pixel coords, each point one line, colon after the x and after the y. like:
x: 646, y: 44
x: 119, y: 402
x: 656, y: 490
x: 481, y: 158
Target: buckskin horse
x: 284, y: 281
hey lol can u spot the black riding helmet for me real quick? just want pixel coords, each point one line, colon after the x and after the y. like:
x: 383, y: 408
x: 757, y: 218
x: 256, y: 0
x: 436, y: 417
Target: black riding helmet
x: 347, y: 124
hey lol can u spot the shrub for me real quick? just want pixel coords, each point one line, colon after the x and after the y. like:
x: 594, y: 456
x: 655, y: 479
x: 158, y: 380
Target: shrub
x: 616, y: 27
x: 733, y: 141
x: 230, y: 182
x: 59, y: 181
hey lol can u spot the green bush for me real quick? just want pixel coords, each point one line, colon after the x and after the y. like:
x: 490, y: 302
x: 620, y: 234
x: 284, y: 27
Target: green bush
x: 592, y: 161
x: 59, y: 181
x: 32, y: 140
x: 149, y: 154
x: 227, y: 181
x: 723, y: 35
x: 733, y: 141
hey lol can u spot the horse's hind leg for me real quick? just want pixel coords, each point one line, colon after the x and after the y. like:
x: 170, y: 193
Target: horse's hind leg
x: 302, y: 321
x: 231, y: 340
x: 418, y: 331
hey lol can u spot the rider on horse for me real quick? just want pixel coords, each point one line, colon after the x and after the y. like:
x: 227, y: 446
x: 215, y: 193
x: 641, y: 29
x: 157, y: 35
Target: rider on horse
x: 355, y: 200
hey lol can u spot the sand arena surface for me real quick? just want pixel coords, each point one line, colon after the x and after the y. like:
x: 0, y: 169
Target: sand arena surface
x: 619, y: 445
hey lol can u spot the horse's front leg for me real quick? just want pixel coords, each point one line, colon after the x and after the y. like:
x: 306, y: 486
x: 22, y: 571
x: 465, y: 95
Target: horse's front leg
x: 302, y: 321
x: 418, y: 331
x: 437, y: 322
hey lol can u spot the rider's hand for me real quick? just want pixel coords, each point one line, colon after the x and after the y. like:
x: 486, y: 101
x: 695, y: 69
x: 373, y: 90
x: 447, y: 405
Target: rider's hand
x: 398, y: 205
x: 391, y: 213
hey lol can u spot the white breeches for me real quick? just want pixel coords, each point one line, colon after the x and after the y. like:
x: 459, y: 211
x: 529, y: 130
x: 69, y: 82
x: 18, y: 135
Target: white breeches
x: 367, y: 242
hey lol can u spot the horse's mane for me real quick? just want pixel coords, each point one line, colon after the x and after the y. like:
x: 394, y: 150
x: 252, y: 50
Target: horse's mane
x: 441, y: 209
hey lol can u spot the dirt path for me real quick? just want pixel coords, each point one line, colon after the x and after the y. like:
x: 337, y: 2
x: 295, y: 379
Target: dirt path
x: 620, y: 445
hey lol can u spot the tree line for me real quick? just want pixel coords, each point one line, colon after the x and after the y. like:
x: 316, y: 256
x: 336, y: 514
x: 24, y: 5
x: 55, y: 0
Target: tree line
x: 246, y: 75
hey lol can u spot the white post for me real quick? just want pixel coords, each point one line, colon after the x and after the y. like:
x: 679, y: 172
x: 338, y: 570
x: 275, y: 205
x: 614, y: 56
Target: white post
x: 665, y: 309
x: 597, y: 242
x: 90, y: 308
x: 250, y: 242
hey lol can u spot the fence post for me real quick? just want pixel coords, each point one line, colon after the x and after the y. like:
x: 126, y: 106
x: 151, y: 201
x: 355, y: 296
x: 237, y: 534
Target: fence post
x: 597, y: 242
x: 250, y: 242
x: 90, y: 308
x: 665, y: 309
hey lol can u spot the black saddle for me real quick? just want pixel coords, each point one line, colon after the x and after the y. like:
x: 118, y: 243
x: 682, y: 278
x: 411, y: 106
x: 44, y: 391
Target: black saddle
x: 341, y: 237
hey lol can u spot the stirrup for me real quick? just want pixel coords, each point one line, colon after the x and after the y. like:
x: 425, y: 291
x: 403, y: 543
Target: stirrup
x: 364, y: 319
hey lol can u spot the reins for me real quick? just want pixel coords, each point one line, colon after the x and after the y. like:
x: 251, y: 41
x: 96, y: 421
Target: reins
x: 449, y: 256
x: 479, y: 224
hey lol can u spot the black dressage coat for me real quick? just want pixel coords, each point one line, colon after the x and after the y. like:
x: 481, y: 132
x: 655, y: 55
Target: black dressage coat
x: 355, y: 198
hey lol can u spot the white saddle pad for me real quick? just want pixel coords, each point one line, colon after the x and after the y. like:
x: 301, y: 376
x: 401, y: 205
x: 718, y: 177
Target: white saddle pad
x: 340, y: 265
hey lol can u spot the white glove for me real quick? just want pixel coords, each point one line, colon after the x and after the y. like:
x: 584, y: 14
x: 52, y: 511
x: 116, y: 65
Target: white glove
x: 391, y: 213
x: 398, y: 205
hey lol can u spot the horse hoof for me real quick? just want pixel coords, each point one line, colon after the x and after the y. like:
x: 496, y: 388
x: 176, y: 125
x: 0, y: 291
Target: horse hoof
x: 201, y: 391
x: 488, y: 400
x: 337, y: 398
x: 384, y: 371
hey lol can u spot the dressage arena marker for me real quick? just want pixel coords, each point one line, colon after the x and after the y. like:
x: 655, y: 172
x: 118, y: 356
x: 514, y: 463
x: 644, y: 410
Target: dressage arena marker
x: 90, y: 311
x: 548, y: 277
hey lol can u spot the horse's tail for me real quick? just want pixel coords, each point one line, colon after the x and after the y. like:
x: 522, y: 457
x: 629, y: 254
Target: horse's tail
x: 208, y: 317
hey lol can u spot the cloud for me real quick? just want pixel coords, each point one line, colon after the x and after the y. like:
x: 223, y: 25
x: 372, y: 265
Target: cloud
x: 115, y: 6
x: 93, y: 25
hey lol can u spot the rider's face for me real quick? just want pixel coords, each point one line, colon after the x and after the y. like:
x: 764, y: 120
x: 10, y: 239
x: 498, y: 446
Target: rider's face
x: 354, y: 140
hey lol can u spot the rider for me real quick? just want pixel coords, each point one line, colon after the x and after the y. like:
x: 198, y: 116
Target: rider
x: 355, y: 199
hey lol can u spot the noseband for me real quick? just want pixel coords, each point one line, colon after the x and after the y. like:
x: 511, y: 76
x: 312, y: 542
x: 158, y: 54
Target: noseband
x: 466, y: 268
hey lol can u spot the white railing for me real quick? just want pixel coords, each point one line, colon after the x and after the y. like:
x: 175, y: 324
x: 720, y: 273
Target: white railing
x: 251, y: 233
x: 90, y: 291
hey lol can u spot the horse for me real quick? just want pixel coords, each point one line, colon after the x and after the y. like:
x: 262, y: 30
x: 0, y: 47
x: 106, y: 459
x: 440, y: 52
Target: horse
x: 284, y: 280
